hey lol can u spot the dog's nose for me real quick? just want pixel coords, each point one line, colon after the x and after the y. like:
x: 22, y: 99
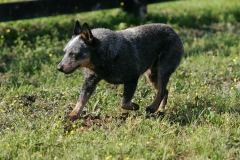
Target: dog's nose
x: 60, y: 68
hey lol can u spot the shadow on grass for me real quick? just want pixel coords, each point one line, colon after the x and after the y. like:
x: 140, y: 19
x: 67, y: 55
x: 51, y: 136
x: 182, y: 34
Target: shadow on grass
x: 56, y: 27
x: 197, y: 114
x: 190, y: 114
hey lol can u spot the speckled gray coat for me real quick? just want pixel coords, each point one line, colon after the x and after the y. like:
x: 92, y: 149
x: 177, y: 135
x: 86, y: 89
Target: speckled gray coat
x: 121, y: 57
x: 129, y: 53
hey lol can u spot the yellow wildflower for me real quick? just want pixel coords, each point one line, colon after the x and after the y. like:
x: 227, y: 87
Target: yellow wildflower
x: 122, y: 4
x: 71, y: 132
x: 108, y: 157
x: 127, y: 158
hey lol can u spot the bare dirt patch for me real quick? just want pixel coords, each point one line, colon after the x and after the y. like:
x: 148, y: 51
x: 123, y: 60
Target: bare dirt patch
x: 27, y: 100
x: 88, y: 121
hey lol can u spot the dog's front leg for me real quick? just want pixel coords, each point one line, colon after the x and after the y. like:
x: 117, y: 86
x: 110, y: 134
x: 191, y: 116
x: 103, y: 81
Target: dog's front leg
x: 129, y: 89
x: 88, y: 87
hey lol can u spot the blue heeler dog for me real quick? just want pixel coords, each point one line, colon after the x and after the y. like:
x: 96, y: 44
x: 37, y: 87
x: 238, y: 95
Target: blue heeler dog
x: 120, y: 58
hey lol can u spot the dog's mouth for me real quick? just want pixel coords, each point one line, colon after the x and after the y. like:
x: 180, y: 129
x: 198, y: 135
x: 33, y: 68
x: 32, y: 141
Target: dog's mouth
x: 71, y: 71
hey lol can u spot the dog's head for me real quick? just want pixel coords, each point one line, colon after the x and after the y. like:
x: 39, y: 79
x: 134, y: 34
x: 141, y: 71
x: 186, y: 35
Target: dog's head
x: 78, y: 50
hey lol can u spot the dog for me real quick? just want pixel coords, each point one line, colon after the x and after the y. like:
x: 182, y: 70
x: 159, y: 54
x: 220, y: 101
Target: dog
x: 120, y: 58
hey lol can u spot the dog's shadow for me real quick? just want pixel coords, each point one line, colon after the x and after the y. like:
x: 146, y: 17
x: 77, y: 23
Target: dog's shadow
x: 186, y: 115
x: 193, y: 113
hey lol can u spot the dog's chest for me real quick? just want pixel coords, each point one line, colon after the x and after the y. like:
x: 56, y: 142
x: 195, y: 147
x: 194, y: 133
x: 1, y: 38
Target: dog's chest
x: 114, y: 75
x: 110, y: 75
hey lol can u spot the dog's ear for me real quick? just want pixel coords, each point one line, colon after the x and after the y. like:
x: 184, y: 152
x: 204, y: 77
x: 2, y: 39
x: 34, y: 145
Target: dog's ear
x: 86, y: 33
x: 77, y: 28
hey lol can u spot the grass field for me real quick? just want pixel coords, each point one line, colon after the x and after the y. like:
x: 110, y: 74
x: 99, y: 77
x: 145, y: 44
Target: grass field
x: 201, y: 119
x: 9, y: 1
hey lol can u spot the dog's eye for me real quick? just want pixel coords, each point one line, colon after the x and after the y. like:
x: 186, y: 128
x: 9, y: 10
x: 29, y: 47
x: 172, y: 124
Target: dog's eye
x: 71, y: 54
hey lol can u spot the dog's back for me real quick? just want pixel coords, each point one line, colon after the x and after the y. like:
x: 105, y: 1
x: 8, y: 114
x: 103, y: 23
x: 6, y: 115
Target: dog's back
x: 153, y: 41
x: 132, y: 51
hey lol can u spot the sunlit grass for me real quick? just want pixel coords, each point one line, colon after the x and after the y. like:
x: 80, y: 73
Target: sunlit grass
x: 201, y: 119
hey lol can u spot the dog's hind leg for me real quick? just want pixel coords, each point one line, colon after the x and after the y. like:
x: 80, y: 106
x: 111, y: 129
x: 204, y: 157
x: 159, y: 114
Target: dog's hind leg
x: 159, y: 79
x: 88, y: 87
x: 163, y: 102
x: 129, y: 89
x: 161, y: 97
x: 152, y: 76
x: 153, y: 79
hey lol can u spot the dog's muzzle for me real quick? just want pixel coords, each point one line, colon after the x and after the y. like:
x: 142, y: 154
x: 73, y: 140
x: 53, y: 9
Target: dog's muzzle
x: 60, y: 68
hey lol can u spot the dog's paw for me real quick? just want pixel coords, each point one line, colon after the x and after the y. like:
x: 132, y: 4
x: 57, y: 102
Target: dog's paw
x: 70, y: 118
x: 151, y: 109
x: 132, y: 106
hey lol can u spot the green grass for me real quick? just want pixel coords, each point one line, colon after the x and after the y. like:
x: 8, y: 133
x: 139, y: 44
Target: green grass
x: 9, y: 1
x: 201, y: 119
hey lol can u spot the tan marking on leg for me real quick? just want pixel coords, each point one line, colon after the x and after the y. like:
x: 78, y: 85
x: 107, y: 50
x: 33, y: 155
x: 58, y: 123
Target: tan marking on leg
x: 75, y: 114
x: 153, y: 108
x: 78, y: 109
x: 151, y: 81
x: 158, y: 99
x: 163, y: 103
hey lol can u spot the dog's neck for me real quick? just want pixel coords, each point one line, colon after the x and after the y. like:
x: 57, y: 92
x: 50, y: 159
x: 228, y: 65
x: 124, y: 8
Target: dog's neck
x: 110, y: 43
